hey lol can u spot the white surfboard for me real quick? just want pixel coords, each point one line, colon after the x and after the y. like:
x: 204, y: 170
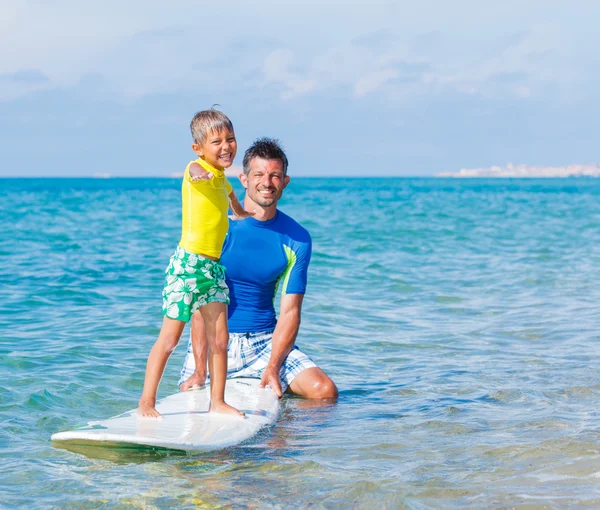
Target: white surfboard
x: 186, y: 423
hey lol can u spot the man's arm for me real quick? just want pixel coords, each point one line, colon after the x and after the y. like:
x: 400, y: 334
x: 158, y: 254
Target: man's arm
x: 284, y: 337
x: 200, y: 352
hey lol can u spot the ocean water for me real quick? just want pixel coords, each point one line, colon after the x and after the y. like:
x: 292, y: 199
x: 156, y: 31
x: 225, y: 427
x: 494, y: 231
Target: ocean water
x: 460, y: 320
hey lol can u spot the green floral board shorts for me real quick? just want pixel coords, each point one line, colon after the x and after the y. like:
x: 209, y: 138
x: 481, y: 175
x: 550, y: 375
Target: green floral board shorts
x: 192, y: 281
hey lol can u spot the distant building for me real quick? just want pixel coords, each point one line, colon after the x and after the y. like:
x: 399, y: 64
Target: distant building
x: 511, y: 170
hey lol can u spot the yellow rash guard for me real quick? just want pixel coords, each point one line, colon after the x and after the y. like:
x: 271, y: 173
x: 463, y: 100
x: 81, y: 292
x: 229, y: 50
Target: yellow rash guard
x: 205, y: 204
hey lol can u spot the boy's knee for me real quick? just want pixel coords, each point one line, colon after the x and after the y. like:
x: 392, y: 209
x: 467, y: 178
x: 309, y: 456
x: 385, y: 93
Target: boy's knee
x: 168, y: 346
x: 219, y: 344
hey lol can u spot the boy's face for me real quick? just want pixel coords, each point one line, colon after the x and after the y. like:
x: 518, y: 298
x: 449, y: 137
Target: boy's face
x: 219, y: 149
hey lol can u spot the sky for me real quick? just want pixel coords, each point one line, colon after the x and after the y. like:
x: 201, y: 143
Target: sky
x: 349, y: 88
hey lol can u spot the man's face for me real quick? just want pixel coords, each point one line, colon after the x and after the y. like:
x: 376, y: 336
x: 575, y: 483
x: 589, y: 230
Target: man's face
x: 265, y: 181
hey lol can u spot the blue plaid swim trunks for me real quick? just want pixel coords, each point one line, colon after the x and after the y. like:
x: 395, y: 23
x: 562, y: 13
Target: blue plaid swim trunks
x: 248, y: 355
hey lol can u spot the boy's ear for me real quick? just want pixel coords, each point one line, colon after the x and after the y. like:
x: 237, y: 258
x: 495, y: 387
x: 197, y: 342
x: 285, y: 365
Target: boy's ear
x: 197, y: 149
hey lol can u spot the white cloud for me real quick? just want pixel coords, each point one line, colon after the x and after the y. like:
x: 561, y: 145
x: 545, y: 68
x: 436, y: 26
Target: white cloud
x: 508, y: 61
x: 528, y: 63
x: 143, y: 48
x: 373, y: 81
x: 278, y: 70
x: 22, y: 82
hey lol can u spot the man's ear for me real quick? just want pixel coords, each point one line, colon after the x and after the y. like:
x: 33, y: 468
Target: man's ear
x: 286, y: 181
x: 197, y: 149
x: 243, y: 179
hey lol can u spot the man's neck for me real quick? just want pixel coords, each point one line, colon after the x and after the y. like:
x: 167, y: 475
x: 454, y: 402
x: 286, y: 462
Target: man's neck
x: 260, y: 213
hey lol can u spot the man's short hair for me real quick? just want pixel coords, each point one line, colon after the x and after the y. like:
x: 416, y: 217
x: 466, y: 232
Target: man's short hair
x: 265, y: 148
x: 209, y: 121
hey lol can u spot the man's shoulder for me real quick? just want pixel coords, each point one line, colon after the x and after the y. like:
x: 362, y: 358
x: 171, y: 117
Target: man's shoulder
x: 290, y: 227
x: 282, y: 225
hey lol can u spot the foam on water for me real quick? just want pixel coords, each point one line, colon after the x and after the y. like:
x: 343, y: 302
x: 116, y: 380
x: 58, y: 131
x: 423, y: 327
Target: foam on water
x: 458, y: 318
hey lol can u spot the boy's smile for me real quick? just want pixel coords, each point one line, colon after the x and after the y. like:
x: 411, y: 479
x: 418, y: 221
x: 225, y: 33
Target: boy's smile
x: 219, y: 149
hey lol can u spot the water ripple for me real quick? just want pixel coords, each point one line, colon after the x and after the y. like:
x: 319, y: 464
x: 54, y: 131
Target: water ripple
x: 458, y: 318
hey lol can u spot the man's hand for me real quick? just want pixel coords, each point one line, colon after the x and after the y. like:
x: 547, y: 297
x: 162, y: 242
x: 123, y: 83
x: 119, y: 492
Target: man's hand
x: 196, y: 380
x: 270, y: 378
x: 197, y: 173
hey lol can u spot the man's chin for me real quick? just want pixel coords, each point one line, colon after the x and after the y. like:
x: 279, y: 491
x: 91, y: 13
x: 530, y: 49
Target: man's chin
x: 264, y: 202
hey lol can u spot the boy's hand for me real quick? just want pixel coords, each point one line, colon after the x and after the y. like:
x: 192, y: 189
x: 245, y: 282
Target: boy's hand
x: 197, y: 173
x: 147, y: 410
x: 240, y: 215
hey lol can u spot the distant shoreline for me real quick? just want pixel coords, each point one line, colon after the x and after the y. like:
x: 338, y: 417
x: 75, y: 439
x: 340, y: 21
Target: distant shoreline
x: 441, y: 176
x: 509, y: 171
x: 526, y: 171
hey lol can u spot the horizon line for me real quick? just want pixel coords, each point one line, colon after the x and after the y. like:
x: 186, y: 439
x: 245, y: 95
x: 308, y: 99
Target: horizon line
x: 379, y: 176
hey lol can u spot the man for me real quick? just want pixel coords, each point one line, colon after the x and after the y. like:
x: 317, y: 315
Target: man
x: 262, y: 253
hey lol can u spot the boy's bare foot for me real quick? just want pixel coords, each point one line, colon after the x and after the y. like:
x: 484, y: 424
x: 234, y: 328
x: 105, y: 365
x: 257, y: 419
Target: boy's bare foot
x: 223, y: 408
x: 193, y: 382
x: 147, y: 410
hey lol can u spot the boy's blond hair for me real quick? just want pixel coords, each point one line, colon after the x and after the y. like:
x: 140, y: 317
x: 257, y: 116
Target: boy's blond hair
x: 209, y: 121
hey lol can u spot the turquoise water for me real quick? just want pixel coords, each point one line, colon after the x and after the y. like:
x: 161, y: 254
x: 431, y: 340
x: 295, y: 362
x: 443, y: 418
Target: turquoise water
x: 459, y: 318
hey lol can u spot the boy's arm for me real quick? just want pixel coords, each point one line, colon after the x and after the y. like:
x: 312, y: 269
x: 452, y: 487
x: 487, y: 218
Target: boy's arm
x: 197, y: 173
x: 236, y: 206
x: 200, y: 352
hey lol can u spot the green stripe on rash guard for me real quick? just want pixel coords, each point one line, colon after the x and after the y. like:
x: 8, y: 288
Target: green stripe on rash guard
x: 291, y: 258
x: 258, y: 263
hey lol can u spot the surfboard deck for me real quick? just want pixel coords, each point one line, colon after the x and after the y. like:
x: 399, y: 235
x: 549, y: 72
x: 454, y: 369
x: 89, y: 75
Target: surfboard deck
x: 186, y: 423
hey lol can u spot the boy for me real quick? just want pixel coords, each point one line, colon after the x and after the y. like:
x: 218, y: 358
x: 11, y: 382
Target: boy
x: 195, y: 279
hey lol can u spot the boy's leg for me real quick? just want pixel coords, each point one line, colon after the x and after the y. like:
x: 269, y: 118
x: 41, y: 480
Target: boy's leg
x: 168, y: 339
x: 217, y: 333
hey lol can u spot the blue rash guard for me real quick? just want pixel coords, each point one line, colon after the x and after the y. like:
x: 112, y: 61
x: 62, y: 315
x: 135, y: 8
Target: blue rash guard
x: 260, y: 257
